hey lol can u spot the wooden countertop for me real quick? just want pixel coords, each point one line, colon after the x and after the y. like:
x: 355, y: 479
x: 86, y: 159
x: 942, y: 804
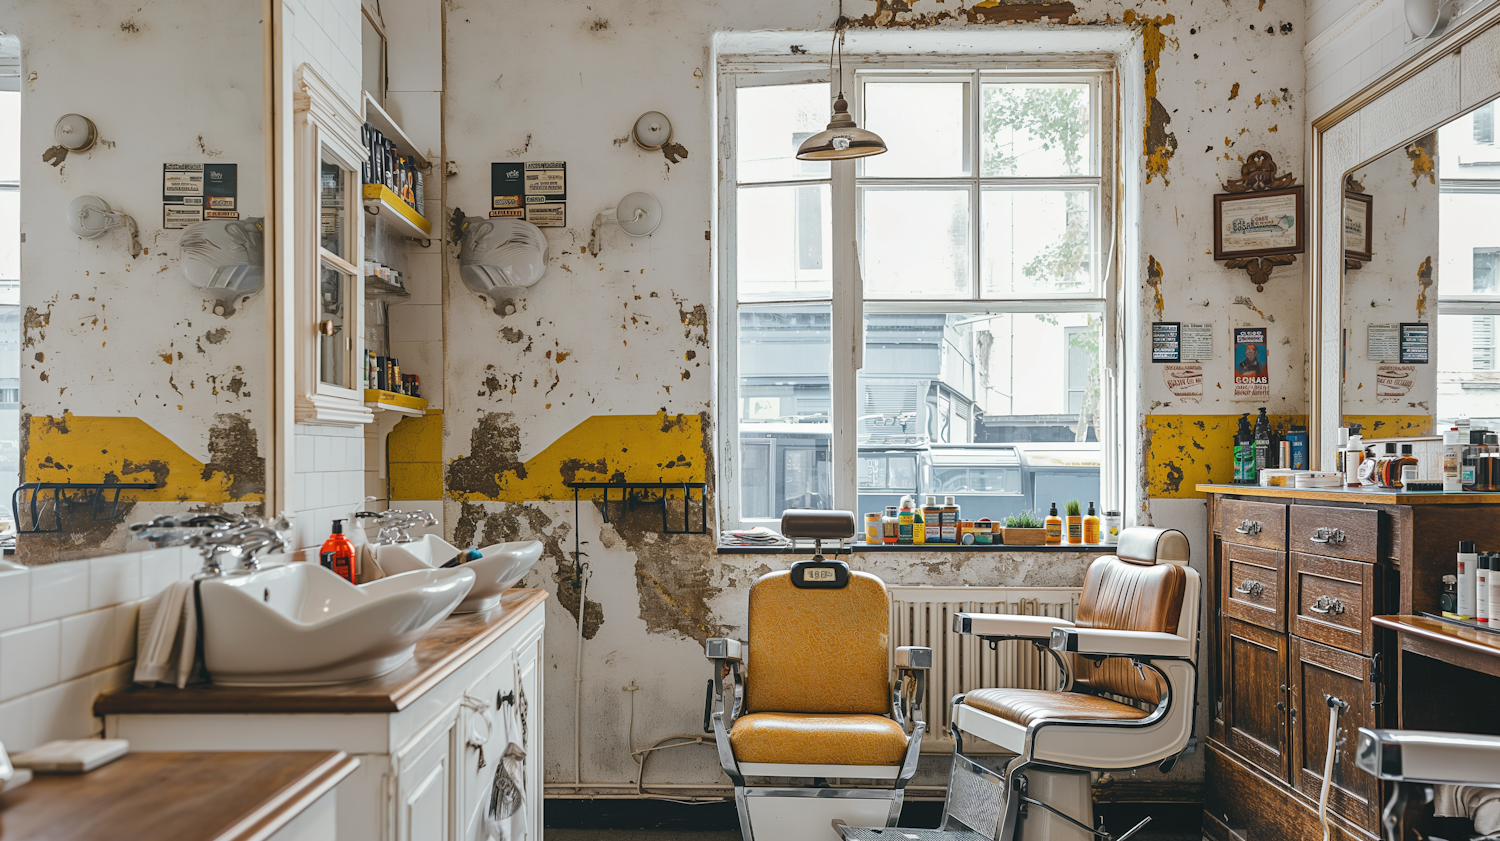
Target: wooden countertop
x: 1466, y: 639
x: 239, y: 796
x: 450, y: 644
x: 1370, y: 497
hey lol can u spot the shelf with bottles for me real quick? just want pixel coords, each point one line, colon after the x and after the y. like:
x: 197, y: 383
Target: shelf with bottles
x: 394, y: 173
x: 389, y: 401
x: 379, y: 198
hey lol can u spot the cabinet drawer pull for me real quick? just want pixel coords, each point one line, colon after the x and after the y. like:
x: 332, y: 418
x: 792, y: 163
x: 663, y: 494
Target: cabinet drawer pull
x: 1250, y: 588
x: 1327, y: 605
x: 507, y: 698
x: 1327, y: 535
x: 1248, y: 527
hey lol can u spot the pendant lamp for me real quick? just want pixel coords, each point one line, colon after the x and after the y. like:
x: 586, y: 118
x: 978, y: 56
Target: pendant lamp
x: 842, y: 140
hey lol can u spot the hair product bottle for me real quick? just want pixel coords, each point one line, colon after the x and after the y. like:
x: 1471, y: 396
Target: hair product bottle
x: 950, y: 520
x: 1244, y: 452
x: 918, y: 527
x: 904, y: 522
x: 1054, y: 526
x: 1091, y: 525
x: 1467, y: 563
x: 1262, y: 445
x: 337, y: 553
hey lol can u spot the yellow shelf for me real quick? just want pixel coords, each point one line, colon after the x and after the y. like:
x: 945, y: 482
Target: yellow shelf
x: 385, y: 202
x: 391, y: 401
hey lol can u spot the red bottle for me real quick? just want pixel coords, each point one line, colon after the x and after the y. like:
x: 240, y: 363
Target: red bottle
x: 337, y: 553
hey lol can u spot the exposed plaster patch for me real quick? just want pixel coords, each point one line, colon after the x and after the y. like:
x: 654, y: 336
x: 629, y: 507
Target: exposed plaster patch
x: 674, y: 152
x: 207, y: 149
x: 1153, y: 280
x: 1245, y: 302
x: 1234, y: 91
x: 494, y: 450
x: 695, y: 320
x: 1161, y: 144
x: 55, y: 155
x: 1424, y: 280
x: 1423, y: 155
x: 233, y: 450
x: 34, y: 324
x: 215, y: 337
x: 520, y: 150
x: 519, y: 521
x: 511, y: 334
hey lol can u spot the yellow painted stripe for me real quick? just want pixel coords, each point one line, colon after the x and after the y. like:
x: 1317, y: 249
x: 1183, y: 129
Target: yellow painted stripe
x: 388, y: 198
x: 1185, y: 450
x: 415, y: 457
x: 1391, y: 426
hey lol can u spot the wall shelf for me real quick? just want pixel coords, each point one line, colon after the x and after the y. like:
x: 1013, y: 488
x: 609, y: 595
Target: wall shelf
x: 377, y: 117
x: 382, y: 200
x: 384, y: 288
x: 390, y: 401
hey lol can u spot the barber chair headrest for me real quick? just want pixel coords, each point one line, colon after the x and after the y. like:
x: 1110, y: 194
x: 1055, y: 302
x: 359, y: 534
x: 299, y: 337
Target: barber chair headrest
x: 1146, y: 546
x: 812, y: 524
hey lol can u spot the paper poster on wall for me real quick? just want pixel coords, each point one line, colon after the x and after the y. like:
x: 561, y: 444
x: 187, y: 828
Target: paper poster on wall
x: 1252, y: 376
x: 1197, y: 341
x: 1383, y: 343
x: 1185, y: 381
x: 194, y: 192
x: 1394, y: 382
x: 507, y: 190
x: 1166, y: 341
x: 1416, y: 342
x: 547, y: 194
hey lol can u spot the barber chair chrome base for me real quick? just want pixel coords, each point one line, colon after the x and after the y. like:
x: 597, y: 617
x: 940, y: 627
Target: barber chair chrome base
x: 1135, y: 639
x: 817, y: 703
x: 1416, y: 760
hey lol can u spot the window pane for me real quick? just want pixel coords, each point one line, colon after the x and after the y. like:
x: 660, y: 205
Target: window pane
x: 1468, y: 374
x: 985, y: 406
x: 332, y: 201
x: 1036, y: 130
x: 924, y: 126
x: 915, y: 242
x: 785, y: 403
x: 334, y: 293
x: 1469, y: 248
x: 784, y: 242
x: 771, y: 122
x: 1036, y: 242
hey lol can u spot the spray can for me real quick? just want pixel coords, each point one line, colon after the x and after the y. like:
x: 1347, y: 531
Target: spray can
x: 1468, y: 563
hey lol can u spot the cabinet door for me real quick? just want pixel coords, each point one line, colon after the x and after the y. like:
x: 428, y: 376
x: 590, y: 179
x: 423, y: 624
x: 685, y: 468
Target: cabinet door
x: 1317, y: 673
x: 424, y: 787
x: 1255, y: 695
x: 483, y: 718
x: 529, y: 695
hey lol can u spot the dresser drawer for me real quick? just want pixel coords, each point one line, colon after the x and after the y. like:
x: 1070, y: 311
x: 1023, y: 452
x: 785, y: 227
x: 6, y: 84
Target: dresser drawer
x: 1330, y: 601
x: 1253, y: 523
x: 1255, y: 586
x: 1351, y: 533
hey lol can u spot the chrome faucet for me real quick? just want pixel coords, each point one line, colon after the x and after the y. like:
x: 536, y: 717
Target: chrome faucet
x: 395, y: 526
x: 178, y: 529
x: 244, y: 540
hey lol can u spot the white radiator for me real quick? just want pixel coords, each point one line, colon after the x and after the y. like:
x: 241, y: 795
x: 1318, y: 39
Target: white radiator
x: 924, y: 616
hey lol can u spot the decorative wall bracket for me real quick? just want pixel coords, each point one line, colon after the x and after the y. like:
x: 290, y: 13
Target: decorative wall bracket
x: 1258, y: 222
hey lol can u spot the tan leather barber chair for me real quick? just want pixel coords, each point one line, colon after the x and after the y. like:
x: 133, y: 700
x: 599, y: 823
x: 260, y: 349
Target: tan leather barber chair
x: 1126, y: 701
x: 811, y: 727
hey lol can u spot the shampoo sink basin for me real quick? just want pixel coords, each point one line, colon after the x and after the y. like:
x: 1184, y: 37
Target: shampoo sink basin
x: 497, y: 569
x: 301, y: 625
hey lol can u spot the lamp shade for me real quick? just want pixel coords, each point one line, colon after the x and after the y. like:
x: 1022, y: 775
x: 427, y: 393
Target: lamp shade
x: 842, y: 139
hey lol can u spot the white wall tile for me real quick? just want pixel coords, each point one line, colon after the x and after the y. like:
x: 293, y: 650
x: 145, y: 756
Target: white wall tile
x: 299, y: 491
x: 15, y: 598
x: 126, y: 631
x: 113, y: 679
x: 324, y: 458
x: 304, y: 452
x: 65, y: 711
x: 88, y: 643
x: 416, y: 323
x: 159, y: 569
x: 28, y: 659
x: 59, y: 590
x: 15, y: 725
x: 114, y: 579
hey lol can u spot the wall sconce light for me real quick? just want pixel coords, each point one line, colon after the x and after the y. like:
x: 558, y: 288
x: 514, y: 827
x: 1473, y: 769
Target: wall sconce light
x: 226, y: 258
x: 638, y: 215
x: 90, y: 217
x: 500, y: 255
x: 652, y: 131
x: 75, y: 132
x: 1429, y: 18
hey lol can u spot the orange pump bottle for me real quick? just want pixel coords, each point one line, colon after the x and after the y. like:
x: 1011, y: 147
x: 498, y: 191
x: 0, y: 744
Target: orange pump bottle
x: 337, y: 553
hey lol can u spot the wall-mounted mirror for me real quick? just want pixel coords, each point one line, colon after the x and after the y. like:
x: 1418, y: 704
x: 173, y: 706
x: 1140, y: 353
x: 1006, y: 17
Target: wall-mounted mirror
x: 1421, y: 283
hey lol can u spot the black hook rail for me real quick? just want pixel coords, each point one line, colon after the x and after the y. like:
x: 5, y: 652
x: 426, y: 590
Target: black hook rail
x: 103, y: 499
x: 652, y: 493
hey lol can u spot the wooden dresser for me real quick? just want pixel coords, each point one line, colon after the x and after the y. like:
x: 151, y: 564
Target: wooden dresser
x: 1294, y: 578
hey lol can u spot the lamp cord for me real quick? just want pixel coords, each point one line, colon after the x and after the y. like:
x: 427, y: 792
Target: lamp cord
x: 837, y: 48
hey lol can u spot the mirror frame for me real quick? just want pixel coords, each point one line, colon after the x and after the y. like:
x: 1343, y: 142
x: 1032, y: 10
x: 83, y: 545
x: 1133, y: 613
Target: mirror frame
x: 1457, y: 73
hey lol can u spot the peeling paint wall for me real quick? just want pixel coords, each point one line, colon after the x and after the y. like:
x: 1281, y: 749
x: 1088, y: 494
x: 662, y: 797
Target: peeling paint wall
x: 127, y: 375
x: 603, y: 369
x: 1398, y: 284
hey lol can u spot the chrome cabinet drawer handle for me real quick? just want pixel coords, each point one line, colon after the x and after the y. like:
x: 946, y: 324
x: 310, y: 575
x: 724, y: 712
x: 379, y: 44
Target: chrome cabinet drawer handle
x: 1248, y: 527
x: 1327, y: 605
x: 1250, y: 588
x: 1327, y: 535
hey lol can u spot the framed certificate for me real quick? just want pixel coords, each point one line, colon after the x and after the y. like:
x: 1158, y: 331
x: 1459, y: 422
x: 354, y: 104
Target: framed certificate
x: 1359, y: 213
x: 1259, y: 224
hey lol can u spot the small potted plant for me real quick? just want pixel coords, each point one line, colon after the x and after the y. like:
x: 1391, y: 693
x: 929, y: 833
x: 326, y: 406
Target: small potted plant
x: 1023, y: 529
x: 1074, y: 522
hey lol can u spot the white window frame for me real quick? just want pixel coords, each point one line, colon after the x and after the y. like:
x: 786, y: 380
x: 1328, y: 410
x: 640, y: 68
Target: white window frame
x: 326, y: 126
x: 847, y: 301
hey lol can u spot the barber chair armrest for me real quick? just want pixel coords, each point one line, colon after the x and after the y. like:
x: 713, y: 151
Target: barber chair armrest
x: 1005, y: 626
x: 723, y: 648
x: 1140, y: 645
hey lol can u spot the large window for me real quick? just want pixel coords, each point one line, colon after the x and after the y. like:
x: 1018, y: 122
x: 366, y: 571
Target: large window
x: 1468, y: 270
x: 974, y: 291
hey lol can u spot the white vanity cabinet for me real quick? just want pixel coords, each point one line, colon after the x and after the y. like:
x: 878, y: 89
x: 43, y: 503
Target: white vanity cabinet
x: 429, y: 737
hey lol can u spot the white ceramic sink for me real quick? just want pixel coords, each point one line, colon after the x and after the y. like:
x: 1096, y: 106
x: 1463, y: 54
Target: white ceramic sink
x: 301, y: 625
x: 498, y: 568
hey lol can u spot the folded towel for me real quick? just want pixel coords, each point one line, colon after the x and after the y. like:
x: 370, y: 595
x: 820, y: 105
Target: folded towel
x: 167, y: 637
x: 1481, y: 805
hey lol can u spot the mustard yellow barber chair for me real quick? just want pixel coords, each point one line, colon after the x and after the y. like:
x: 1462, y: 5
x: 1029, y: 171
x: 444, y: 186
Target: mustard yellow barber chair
x: 812, y: 728
x: 1126, y: 701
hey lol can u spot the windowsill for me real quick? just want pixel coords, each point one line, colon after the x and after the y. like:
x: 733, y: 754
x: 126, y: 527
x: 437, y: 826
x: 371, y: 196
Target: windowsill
x: 804, y: 549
